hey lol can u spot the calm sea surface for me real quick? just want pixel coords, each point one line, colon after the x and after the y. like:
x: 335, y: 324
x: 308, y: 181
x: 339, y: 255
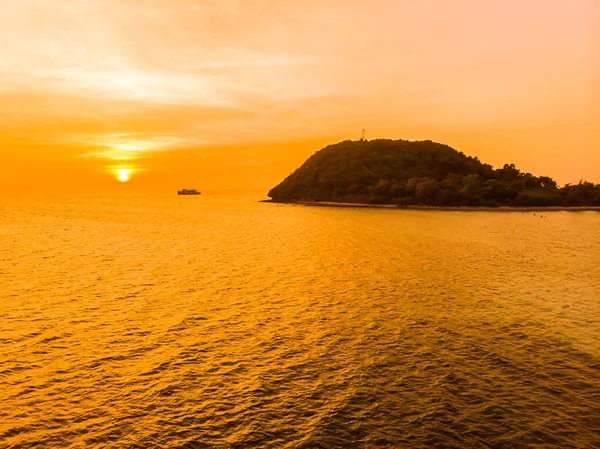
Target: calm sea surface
x: 192, y: 322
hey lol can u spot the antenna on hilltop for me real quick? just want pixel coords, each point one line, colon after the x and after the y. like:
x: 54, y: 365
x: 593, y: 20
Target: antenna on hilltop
x: 363, y: 136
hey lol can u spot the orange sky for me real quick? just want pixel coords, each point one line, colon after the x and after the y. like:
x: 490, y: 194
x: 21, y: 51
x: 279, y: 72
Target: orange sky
x: 225, y: 94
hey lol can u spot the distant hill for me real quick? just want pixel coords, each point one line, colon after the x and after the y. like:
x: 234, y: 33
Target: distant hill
x: 421, y: 173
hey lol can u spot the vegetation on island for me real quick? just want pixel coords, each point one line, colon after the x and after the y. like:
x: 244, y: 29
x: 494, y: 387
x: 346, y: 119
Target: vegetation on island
x: 421, y: 173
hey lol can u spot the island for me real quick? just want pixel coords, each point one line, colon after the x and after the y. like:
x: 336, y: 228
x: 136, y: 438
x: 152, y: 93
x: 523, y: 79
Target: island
x: 421, y: 173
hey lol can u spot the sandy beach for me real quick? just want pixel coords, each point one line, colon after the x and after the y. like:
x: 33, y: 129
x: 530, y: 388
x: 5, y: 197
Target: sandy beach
x: 454, y: 209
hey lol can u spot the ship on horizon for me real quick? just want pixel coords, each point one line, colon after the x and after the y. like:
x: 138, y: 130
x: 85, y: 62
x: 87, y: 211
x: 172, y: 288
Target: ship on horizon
x: 188, y: 192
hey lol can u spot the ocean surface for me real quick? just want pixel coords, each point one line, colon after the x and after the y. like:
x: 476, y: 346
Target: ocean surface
x: 201, y: 322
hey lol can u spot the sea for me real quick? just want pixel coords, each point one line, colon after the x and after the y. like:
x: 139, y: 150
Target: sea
x: 224, y: 322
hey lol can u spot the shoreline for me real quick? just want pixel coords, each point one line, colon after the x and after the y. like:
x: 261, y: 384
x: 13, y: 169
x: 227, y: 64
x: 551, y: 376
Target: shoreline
x: 441, y: 208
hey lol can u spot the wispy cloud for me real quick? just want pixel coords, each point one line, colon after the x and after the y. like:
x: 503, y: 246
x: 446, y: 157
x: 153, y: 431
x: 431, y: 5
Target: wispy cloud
x: 126, y: 147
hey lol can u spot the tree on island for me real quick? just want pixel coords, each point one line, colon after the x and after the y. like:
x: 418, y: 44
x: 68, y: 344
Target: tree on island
x: 426, y: 173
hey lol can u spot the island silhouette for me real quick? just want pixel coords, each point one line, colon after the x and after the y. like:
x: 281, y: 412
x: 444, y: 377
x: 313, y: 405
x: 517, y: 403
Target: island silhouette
x: 421, y: 173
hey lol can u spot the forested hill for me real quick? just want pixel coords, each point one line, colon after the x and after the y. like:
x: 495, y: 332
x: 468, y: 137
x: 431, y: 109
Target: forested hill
x: 421, y: 173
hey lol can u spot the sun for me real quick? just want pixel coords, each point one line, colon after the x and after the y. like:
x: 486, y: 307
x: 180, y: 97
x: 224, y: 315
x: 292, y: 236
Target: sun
x: 123, y: 174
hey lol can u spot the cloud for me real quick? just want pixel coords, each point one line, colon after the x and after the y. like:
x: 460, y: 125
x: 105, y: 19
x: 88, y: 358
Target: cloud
x: 126, y: 147
x: 148, y: 50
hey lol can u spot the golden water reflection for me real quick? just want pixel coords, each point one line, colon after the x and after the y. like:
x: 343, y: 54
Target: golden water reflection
x: 225, y: 322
